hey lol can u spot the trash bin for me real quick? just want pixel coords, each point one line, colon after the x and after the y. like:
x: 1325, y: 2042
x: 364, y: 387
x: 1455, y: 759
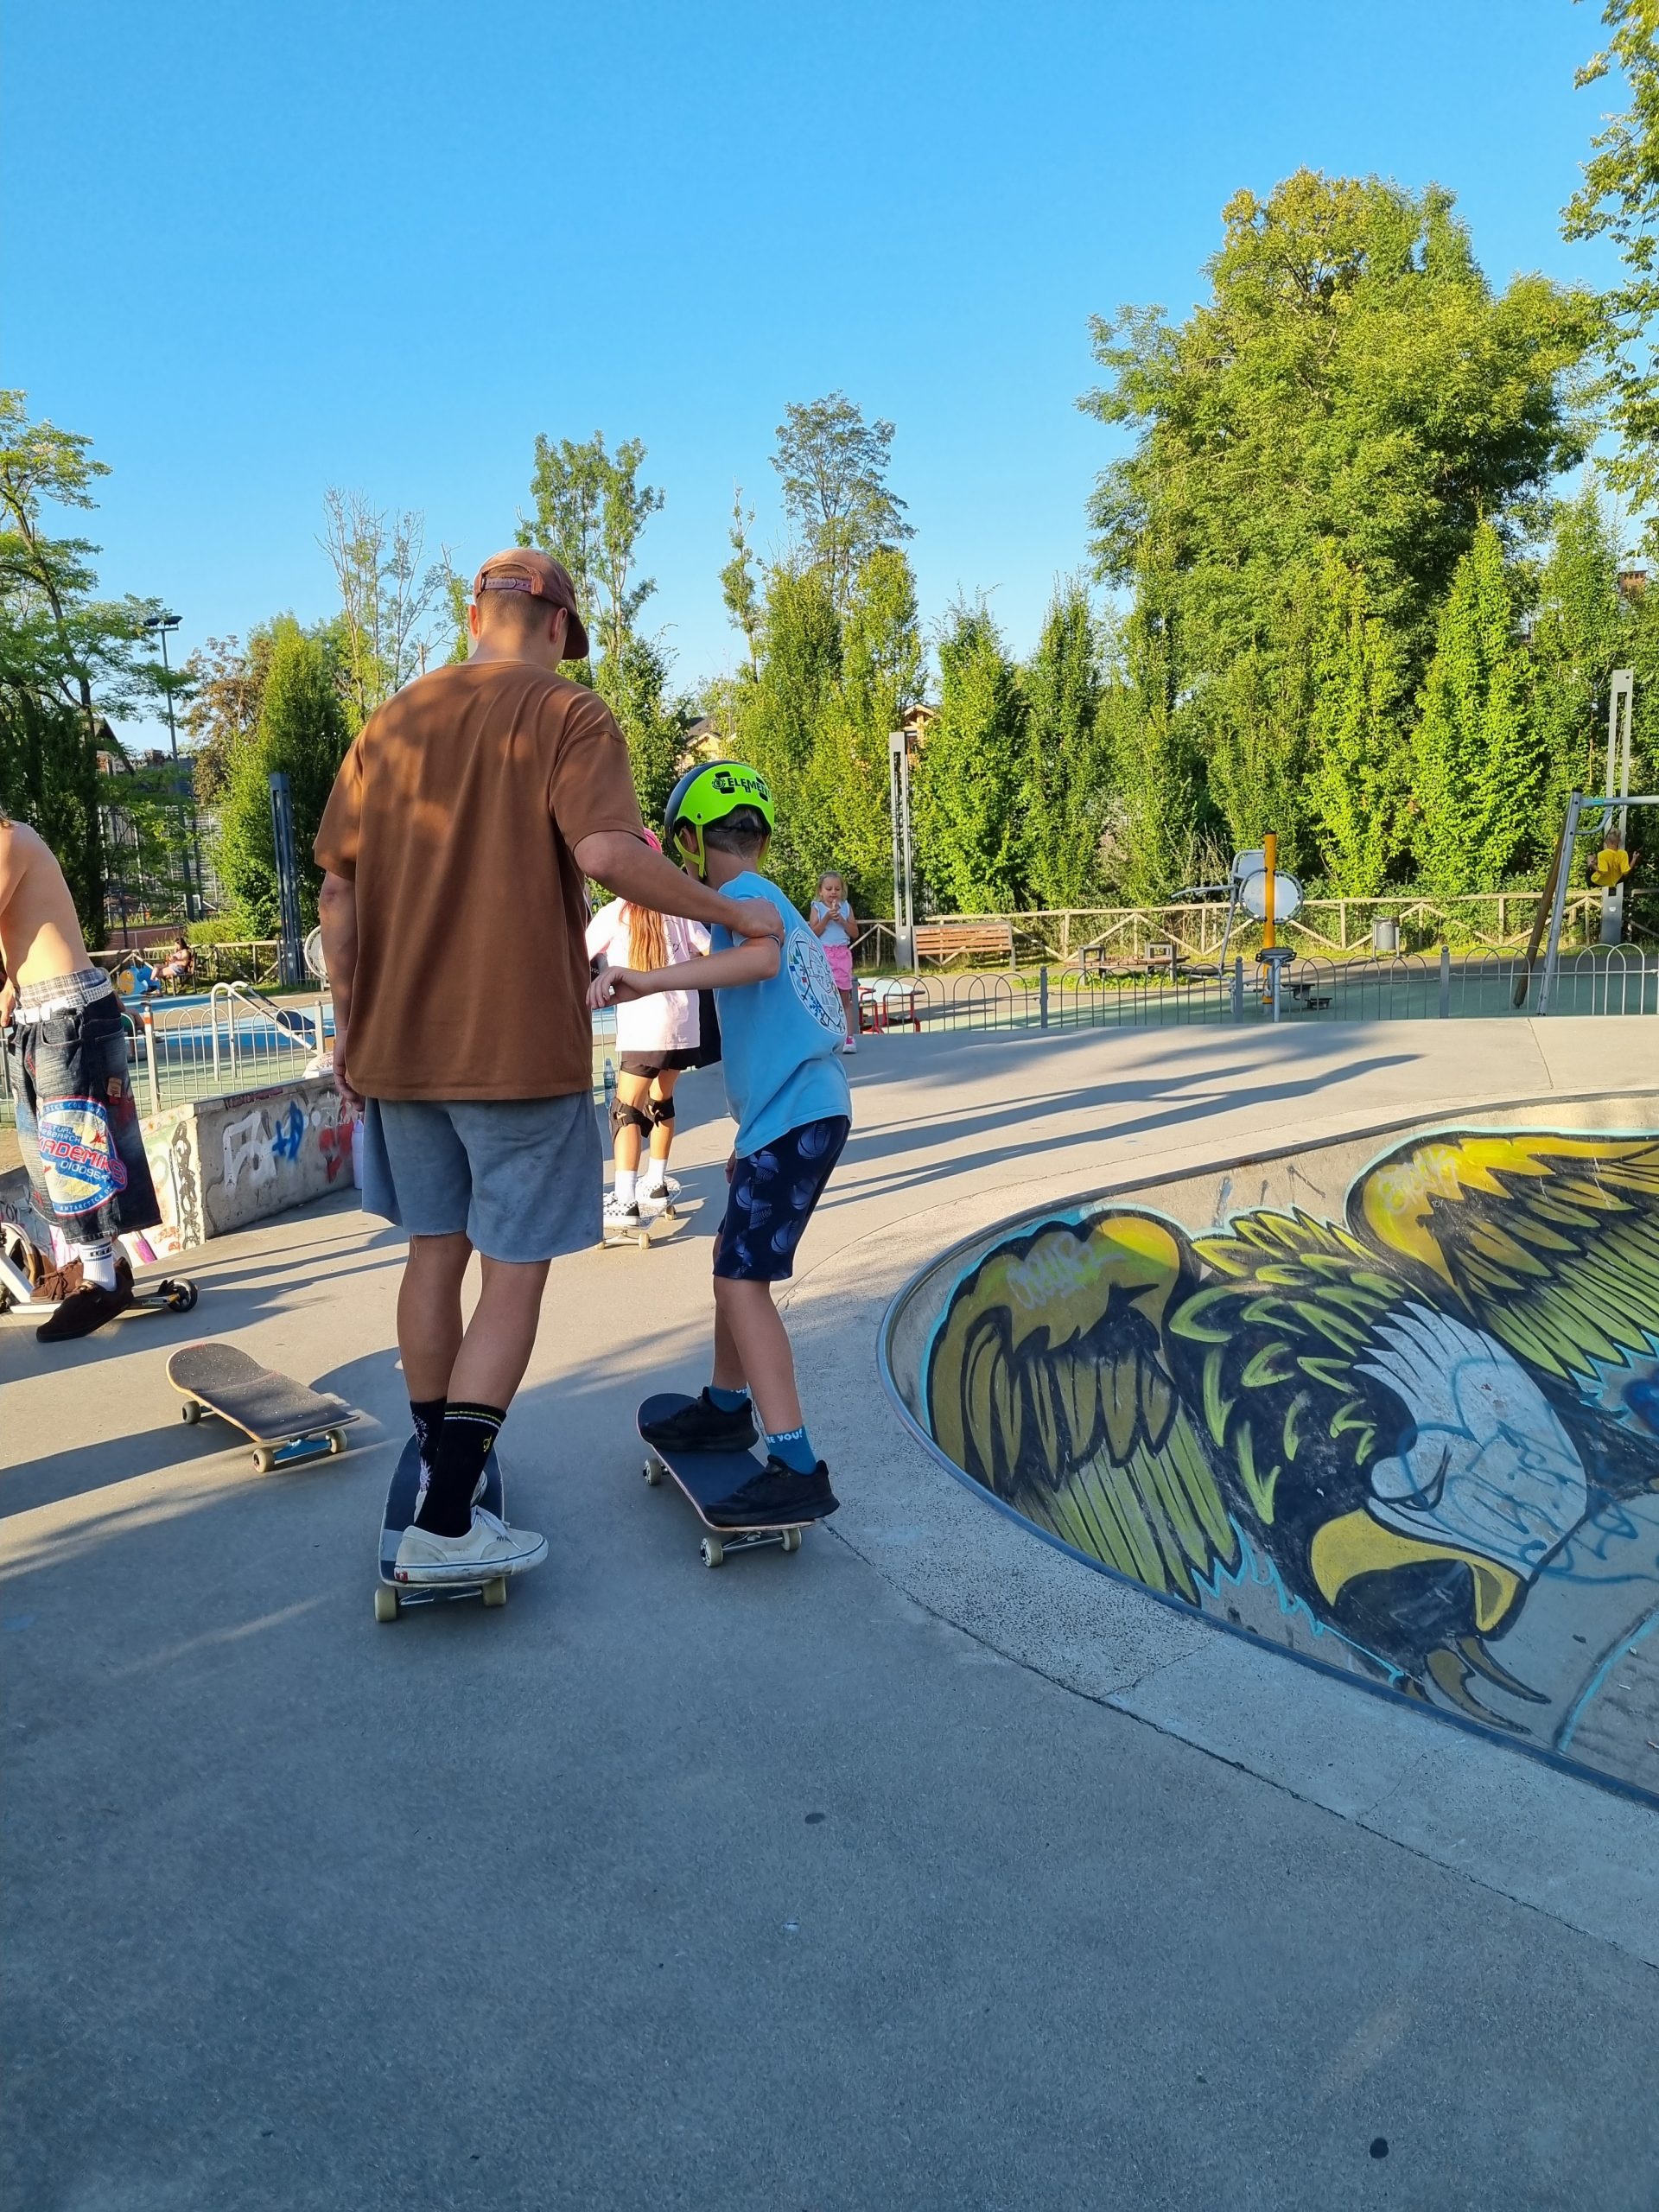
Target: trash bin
x: 1385, y: 934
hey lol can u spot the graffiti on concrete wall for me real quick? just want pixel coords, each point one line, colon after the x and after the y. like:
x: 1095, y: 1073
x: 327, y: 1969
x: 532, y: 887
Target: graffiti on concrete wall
x: 1422, y: 1443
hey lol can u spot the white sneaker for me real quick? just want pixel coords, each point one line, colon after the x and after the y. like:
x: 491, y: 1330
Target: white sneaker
x: 620, y: 1217
x: 488, y: 1549
x: 849, y: 1043
x: 660, y: 1194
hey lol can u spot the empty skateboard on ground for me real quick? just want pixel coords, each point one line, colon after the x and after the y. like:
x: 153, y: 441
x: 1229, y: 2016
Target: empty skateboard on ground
x: 22, y: 1269
x: 705, y: 1477
x: 286, y: 1420
x: 402, y: 1495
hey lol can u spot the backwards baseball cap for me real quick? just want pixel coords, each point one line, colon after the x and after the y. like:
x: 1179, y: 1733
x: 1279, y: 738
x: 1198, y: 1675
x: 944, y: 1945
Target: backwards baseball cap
x: 522, y: 569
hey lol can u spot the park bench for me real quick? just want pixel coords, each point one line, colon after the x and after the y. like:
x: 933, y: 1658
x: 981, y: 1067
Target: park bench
x: 945, y: 941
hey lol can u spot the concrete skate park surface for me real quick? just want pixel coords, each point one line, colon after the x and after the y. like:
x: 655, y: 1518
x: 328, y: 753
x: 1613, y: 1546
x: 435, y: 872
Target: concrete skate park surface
x: 929, y: 1867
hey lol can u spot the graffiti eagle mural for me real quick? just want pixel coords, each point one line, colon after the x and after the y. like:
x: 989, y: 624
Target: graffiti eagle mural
x: 1402, y: 1421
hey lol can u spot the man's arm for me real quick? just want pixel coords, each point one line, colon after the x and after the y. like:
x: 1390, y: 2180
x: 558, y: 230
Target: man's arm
x: 751, y: 963
x: 337, y: 915
x: 628, y: 866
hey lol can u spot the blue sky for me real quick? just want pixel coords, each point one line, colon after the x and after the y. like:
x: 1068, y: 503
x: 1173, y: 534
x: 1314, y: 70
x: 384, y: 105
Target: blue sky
x: 254, y: 250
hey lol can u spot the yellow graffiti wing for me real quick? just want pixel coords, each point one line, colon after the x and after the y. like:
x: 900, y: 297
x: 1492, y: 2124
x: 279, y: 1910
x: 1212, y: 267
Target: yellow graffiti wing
x: 1269, y: 1349
x: 1551, y: 1241
x: 1050, y: 1382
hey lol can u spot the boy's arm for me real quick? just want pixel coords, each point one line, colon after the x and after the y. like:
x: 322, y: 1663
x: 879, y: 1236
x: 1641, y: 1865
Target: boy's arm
x: 753, y: 963
x: 626, y: 866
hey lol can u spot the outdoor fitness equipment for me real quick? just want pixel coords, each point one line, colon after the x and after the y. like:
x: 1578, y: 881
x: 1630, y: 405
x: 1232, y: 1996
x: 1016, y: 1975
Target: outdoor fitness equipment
x: 1257, y: 886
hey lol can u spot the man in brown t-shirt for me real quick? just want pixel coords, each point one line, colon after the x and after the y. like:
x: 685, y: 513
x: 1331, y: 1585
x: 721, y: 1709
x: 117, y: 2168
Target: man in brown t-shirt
x: 454, y: 845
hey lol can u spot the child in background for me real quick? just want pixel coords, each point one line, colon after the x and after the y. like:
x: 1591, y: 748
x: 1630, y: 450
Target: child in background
x: 656, y: 1037
x: 780, y: 1030
x: 831, y: 921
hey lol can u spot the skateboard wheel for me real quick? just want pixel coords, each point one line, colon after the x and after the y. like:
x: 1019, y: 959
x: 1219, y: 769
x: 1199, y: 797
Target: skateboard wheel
x: 336, y: 1440
x: 385, y: 1603
x: 495, y: 1593
x: 714, y: 1551
x: 181, y: 1296
x: 652, y: 1472
x: 264, y: 1459
x: 644, y: 1240
x: 791, y: 1540
x: 190, y: 1413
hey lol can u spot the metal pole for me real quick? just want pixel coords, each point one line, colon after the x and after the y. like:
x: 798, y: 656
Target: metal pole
x: 1446, y: 982
x: 1042, y: 997
x: 192, y: 894
x: 1620, y: 702
x: 904, y: 941
x: 1558, y: 905
x: 289, y: 953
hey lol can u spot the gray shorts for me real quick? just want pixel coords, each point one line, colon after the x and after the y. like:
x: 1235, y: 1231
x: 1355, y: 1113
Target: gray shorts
x: 522, y: 1178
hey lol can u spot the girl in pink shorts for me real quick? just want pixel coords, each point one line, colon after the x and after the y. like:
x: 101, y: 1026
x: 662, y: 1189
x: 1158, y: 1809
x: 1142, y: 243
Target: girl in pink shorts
x: 832, y: 919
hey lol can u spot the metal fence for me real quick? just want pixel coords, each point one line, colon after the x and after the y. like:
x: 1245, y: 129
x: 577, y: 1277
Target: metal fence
x: 1416, y: 987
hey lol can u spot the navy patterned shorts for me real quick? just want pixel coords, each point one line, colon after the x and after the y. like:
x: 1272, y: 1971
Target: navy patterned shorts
x: 773, y: 1194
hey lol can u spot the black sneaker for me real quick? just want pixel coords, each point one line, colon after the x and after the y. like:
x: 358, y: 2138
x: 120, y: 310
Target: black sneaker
x: 701, y: 1427
x: 87, y: 1308
x: 776, y: 1497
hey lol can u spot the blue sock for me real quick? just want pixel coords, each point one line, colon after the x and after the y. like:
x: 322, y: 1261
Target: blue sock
x: 794, y: 1448
x: 727, y: 1401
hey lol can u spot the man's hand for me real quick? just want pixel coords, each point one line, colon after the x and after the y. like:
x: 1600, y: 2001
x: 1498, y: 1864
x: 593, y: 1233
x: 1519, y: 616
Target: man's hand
x: 342, y: 1082
x: 752, y: 918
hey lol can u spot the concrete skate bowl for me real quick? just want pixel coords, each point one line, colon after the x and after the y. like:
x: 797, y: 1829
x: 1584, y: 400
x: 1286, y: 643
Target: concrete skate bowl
x: 1389, y: 1403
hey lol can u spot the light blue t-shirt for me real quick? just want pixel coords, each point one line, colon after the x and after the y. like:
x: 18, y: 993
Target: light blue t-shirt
x: 779, y: 1040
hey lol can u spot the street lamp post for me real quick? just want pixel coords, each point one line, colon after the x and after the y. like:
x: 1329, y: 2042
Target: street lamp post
x: 158, y: 625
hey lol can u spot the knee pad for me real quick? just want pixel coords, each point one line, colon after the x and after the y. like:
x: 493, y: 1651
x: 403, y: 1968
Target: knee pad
x: 662, y: 1111
x: 624, y: 1116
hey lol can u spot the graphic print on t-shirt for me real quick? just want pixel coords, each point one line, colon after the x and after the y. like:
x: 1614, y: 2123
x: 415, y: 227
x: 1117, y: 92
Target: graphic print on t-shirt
x: 814, y: 987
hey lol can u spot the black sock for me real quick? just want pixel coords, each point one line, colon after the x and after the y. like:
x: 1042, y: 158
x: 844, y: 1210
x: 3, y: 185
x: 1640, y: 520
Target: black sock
x: 463, y: 1446
x: 427, y: 1414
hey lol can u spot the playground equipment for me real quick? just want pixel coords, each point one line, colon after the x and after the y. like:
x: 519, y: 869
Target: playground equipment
x: 1257, y: 886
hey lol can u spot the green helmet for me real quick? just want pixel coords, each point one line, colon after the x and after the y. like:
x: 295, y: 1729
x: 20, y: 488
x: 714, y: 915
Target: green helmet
x: 707, y: 794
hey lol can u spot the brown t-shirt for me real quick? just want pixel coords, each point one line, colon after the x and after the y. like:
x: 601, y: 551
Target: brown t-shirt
x: 455, y: 813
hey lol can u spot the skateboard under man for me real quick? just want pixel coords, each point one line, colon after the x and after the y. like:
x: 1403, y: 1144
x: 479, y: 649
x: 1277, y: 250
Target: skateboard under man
x: 286, y: 1420
x: 403, y: 1496
x: 705, y: 1477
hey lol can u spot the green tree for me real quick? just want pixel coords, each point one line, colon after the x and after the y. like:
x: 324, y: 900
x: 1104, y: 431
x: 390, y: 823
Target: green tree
x: 67, y: 658
x: 303, y: 730
x: 1070, y: 781
x: 846, y: 790
x: 388, y: 593
x: 970, y: 784
x: 1619, y: 200
x: 1359, y: 740
x: 834, y: 466
x: 1581, y: 631
x: 1159, y: 812
x: 1479, y: 764
x: 633, y: 681
x: 1353, y: 389
x: 775, y: 715
x: 590, y: 511
x: 737, y: 584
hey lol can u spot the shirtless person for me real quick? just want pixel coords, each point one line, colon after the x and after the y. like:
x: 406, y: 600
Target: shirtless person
x: 66, y: 1059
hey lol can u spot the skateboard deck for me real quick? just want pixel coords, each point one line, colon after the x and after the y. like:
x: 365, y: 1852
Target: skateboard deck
x: 613, y: 1234
x: 705, y: 1477
x: 403, y: 1494
x: 286, y: 1420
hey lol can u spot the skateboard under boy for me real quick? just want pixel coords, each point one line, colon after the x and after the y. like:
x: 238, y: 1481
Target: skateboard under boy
x: 22, y: 1269
x: 285, y: 1420
x: 705, y: 1477
x: 402, y: 1495
x: 617, y: 1233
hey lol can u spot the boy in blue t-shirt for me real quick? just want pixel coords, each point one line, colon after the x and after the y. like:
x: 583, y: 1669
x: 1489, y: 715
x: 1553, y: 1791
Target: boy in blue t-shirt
x: 781, y: 1031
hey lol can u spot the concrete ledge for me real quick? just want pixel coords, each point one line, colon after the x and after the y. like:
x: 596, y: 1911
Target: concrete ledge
x: 222, y: 1164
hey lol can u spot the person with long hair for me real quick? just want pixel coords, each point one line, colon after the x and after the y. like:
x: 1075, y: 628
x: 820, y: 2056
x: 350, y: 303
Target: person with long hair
x: 657, y: 1038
